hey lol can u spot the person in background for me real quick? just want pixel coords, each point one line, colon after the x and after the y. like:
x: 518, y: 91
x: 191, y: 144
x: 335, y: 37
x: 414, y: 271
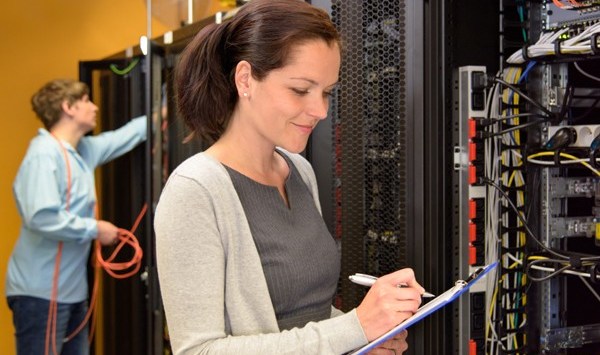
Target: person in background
x: 55, y: 195
x: 246, y: 264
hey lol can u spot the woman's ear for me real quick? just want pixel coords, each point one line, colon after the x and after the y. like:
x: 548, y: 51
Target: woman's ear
x: 66, y: 107
x: 243, y: 75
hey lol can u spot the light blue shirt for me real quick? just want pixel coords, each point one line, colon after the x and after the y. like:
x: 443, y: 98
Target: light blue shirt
x: 40, y: 190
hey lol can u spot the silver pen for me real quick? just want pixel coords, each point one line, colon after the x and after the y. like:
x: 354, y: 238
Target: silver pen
x: 368, y: 280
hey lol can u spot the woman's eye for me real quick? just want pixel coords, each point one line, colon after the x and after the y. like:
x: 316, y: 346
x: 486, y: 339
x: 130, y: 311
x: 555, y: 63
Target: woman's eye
x: 300, y: 91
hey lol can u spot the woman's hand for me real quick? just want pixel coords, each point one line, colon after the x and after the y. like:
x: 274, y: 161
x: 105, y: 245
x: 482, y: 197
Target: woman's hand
x: 395, y: 346
x: 108, y: 233
x: 386, y: 304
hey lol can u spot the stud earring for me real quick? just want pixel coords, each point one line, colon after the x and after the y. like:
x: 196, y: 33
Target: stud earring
x: 245, y: 94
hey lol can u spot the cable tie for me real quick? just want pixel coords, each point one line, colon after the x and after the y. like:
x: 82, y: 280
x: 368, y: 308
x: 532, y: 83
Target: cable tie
x: 557, y: 51
x: 519, y: 106
x: 524, y: 53
x: 595, y: 273
x: 594, y: 43
x: 575, y: 261
x: 593, y: 157
x: 556, y: 157
x: 508, y: 146
x: 486, y: 121
x: 514, y: 310
x: 482, y: 135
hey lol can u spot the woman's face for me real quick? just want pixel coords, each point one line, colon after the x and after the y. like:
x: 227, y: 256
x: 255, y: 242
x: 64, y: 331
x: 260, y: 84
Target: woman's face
x: 287, y: 104
x: 84, y: 113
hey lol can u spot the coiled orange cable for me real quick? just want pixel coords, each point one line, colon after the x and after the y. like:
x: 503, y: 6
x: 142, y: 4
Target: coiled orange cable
x: 118, y: 270
x: 126, y: 238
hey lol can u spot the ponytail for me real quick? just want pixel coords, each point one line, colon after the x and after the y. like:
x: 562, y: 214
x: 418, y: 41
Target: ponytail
x: 204, y: 87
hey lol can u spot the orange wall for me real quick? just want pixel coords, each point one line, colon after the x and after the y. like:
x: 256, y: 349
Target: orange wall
x: 43, y: 40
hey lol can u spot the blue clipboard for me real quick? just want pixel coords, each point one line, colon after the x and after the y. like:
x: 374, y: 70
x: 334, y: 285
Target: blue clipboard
x: 460, y: 286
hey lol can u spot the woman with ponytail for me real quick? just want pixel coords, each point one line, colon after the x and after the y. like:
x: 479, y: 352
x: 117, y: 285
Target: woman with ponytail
x: 245, y: 261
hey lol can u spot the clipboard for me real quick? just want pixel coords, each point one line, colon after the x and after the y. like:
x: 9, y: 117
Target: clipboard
x: 460, y: 287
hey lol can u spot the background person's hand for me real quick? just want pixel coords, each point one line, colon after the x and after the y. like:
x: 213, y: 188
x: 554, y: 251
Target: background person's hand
x: 108, y: 233
x: 386, y: 304
x: 395, y: 346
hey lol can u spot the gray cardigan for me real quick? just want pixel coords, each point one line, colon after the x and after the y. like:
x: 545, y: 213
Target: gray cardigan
x: 213, y: 288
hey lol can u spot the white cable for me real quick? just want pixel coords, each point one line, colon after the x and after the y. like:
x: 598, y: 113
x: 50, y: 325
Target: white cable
x: 545, y: 46
x: 514, y: 258
x: 586, y: 283
x: 491, y: 147
x: 491, y: 160
x: 562, y: 162
x: 570, y: 272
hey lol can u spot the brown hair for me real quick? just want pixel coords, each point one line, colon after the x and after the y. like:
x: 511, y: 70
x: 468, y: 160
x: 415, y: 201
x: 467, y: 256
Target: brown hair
x: 263, y: 33
x: 47, y: 101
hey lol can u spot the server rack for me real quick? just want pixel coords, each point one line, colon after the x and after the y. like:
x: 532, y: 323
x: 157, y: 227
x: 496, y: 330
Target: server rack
x: 540, y: 205
x: 133, y: 319
x: 117, y: 87
x: 388, y: 203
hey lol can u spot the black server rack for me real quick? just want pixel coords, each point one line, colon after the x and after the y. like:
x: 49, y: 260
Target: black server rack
x: 117, y: 86
x: 132, y: 317
x: 386, y: 196
x: 526, y: 179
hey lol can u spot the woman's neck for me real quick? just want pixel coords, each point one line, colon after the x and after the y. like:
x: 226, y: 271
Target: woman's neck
x: 263, y: 165
x: 65, y: 133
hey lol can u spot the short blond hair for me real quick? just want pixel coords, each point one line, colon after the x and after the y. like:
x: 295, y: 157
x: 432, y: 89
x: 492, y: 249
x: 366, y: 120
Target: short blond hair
x: 47, y: 101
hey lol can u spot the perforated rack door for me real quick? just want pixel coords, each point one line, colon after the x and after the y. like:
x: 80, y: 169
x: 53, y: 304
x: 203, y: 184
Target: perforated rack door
x: 371, y: 141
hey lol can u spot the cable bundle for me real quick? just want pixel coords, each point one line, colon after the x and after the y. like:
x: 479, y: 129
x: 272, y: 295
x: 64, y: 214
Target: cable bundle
x: 574, y: 5
x: 551, y: 44
x: 512, y: 298
x: 505, y: 236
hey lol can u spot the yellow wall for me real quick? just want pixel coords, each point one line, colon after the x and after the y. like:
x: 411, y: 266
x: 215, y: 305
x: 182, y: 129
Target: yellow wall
x: 43, y: 40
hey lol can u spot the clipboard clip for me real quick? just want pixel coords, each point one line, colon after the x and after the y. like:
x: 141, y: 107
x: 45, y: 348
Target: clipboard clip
x: 461, y: 283
x: 475, y: 274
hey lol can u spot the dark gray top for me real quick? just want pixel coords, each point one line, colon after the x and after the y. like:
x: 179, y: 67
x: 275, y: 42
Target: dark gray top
x: 298, y: 254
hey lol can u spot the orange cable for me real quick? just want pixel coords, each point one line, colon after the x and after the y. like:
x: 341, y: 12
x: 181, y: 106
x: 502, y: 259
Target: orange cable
x: 53, y: 307
x: 558, y: 3
x: 126, y: 237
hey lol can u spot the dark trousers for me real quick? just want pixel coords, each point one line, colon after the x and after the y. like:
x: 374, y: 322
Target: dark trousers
x: 30, y: 318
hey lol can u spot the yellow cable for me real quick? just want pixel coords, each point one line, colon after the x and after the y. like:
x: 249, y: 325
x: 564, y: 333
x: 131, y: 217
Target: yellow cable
x: 564, y: 155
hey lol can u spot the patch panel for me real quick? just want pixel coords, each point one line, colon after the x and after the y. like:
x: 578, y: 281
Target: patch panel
x: 584, y: 15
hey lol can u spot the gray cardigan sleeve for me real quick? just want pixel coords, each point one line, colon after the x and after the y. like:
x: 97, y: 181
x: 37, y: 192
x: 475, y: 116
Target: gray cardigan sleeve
x: 214, y: 292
